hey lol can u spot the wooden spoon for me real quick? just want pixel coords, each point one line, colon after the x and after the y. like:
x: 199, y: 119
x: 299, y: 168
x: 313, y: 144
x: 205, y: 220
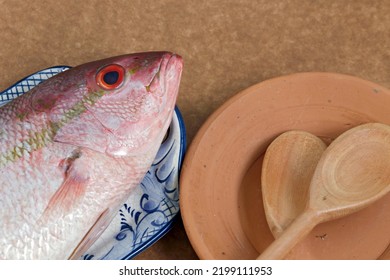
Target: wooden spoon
x: 352, y: 173
x: 288, y: 166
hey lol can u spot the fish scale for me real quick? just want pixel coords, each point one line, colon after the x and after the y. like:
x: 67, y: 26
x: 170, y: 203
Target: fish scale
x: 72, y: 150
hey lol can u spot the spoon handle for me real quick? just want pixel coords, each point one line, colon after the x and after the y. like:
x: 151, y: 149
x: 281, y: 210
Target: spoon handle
x: 298, y: 229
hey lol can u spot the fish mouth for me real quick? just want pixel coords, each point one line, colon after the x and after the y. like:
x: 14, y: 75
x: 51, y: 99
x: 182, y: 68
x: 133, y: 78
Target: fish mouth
x: 174, y: 64
x: 173, y: 70
x: 171, y: 67
x: 168, y: 74
x: 167, y: 78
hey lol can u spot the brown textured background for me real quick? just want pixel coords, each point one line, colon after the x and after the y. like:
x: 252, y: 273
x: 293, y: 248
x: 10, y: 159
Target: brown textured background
x: 226, y: 45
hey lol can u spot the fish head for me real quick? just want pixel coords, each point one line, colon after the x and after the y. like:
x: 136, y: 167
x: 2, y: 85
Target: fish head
x: 138, y: 110
x: 128, y: 100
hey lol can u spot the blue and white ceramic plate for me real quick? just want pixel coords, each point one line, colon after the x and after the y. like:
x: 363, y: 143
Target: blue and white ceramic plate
x: 151, y: 209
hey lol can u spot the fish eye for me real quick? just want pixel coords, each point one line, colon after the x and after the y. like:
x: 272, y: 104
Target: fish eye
x: 110, y: 77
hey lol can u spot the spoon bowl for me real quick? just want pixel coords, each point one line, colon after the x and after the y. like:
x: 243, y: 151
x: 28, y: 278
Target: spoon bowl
x: 352, y: 173
x: 288, y: 166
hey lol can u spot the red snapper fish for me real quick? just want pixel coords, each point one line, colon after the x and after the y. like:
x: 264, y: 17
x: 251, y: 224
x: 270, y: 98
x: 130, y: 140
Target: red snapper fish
x: 73, y: 148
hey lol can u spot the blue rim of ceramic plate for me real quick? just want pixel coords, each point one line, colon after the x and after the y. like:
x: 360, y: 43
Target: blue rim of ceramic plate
x: 27, y: 83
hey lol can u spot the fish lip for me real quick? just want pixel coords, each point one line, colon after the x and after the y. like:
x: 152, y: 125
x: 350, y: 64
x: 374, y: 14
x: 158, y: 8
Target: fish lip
x: 168, y: 60
x: 177, y: 59
x: 169, y: 74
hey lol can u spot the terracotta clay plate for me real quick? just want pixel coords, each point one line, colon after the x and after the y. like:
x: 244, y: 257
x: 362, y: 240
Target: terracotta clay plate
x: 221, y: 202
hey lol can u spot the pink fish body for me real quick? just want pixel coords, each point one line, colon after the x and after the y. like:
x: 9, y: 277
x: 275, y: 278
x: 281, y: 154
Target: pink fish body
x: 74, y: 147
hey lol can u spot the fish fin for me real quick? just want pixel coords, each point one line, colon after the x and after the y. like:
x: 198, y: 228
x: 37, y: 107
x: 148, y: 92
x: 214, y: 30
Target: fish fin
x: 93, y: 233
x: 72, y: 188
